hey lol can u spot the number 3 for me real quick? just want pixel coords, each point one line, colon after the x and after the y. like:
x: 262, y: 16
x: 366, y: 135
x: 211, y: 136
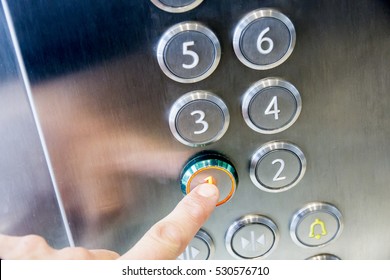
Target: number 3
x: 194, y: 55
x: 200, y: 121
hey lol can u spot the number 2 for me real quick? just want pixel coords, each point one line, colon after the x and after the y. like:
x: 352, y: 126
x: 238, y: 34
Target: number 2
x: 201, y: 121
x: 275, y: 111
x: 277, y: 178
x: 193, y: 54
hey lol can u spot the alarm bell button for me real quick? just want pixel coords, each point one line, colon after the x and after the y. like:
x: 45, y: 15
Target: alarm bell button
x: 210, y: 168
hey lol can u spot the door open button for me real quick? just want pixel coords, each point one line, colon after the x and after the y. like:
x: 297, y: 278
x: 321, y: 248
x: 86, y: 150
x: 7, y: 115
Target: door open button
x: 210, y: 168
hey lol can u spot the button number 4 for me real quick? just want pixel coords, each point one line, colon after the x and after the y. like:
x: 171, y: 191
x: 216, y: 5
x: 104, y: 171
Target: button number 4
x: 272, y: 108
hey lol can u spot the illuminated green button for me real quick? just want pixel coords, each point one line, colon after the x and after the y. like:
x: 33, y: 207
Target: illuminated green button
x: 210, y: 168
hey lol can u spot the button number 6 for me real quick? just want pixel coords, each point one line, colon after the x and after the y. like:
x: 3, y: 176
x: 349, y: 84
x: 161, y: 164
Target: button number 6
x: 261, y: 39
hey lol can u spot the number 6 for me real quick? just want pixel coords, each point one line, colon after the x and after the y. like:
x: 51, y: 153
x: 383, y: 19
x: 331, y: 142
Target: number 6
x: 261, y: 39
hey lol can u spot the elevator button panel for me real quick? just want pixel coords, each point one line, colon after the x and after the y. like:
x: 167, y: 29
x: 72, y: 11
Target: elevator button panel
x: 210, y: 168
x: 277, y: 166
x: 264, y: 39
x: 201, y: 247
x: 271, y: 105
x: 315, y: 225
x: 251, y: 237
x: 188, y: 52
x: 176, y: 6
x: 199, y: 118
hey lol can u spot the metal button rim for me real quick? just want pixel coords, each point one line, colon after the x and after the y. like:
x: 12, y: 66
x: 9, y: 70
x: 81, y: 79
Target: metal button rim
x: 248, y: 19
x: 312, y: 208
x: 248, y: 220
x: 259, y: 86
x: 192, y: 96
x: 272, y: 146
x: 324, y: 257
x: 204, y: 236
x: 227, y: 169
x: 182, y: 27
x: 171, y: 9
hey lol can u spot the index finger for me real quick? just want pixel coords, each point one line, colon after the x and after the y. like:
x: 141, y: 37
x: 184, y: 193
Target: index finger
x: 169, y: 237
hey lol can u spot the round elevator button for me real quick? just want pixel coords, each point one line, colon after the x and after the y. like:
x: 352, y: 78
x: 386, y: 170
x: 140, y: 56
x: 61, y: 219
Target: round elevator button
x: 251, y: 237
x: 198, y: 118
x: 264, y: 39
x: 315, y: 225
x: 324, y: 257
x: 271, y: 105
x: 177, y: 6
x: 201, y: 247
x: 277, y: 166
x: 210, y: 168
x: 188, y: 52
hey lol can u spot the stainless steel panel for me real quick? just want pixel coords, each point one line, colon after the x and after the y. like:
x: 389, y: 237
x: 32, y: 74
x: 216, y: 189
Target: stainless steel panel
x: 28, y: 202
x: 104, y: 104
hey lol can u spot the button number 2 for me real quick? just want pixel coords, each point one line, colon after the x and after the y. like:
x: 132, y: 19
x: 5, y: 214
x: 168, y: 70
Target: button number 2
x: 201, y: 121
x: 277, y: 178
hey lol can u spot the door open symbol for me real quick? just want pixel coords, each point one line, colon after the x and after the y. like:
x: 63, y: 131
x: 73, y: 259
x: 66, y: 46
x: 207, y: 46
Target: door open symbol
x: 313, y: 233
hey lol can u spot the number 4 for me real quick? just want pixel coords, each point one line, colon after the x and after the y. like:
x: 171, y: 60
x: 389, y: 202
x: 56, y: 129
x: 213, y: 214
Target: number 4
x: 272, y: 108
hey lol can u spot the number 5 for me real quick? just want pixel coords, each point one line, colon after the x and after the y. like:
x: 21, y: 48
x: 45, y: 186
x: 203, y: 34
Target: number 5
x: 194, y: 55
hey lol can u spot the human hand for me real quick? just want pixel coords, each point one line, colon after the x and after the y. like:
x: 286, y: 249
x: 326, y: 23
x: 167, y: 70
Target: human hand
x: 167, y: 239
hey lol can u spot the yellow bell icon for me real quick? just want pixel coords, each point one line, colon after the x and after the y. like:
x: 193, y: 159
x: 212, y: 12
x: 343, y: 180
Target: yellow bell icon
x: 320, y: 223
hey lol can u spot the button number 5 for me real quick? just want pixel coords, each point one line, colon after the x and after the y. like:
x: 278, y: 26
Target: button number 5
x: 191, y: 53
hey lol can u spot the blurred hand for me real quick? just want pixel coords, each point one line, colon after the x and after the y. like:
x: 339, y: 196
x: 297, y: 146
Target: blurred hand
x: 165, y: 240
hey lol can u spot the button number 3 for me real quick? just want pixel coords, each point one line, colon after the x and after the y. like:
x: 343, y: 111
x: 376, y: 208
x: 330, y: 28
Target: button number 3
x: 193, y: 54
x: 201, y: 121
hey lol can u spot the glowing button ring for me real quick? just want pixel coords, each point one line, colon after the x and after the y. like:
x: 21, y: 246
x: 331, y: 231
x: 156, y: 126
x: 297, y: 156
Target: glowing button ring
x: 210, y: 167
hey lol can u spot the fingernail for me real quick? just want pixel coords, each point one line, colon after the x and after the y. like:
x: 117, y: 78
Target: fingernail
x: 206, y: 190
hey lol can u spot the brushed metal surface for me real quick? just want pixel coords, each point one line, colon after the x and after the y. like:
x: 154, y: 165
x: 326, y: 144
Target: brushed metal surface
x: 28, y: 202
x: 104, y: 103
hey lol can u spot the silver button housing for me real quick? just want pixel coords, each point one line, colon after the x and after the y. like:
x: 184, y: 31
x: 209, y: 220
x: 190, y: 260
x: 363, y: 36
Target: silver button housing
x: 277, y: 166
x: 271, y: 94
x: 324, y: 257
x: 199, y: 118
x: 188, y: 52
x: 264, y: 39
x: 176, y: 6
x: 201, y: 247
x: 252, y: 236
x: 315, y: 225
